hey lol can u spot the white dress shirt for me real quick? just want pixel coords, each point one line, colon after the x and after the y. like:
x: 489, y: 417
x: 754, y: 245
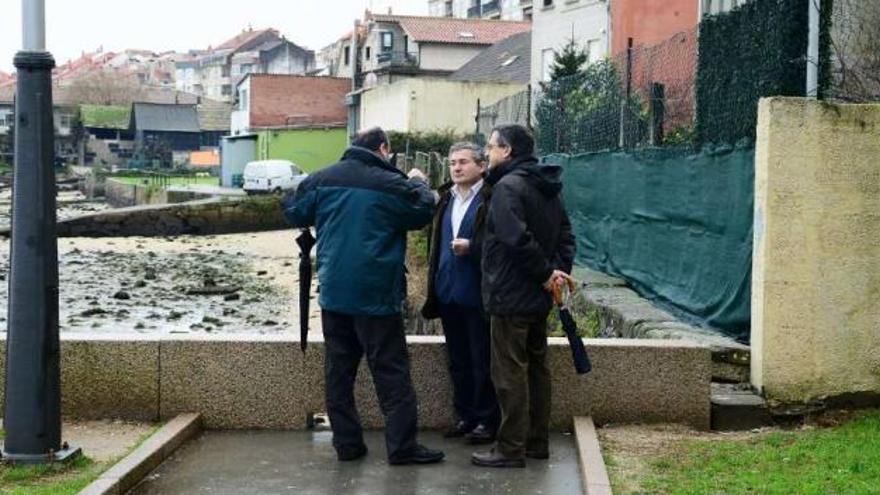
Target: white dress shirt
x: 461, y: 203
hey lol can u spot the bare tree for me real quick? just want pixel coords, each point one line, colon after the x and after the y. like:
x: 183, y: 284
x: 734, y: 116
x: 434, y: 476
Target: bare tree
x: 855, y: 50
x: 105, y: 87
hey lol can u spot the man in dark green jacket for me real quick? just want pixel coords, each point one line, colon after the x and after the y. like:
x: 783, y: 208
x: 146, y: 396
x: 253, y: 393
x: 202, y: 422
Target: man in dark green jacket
x: 526, y: 248
x: 361, y: 209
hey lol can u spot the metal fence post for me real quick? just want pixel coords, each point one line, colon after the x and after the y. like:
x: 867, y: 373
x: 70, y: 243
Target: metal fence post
x: 624, y: 105
x: 813, y: 49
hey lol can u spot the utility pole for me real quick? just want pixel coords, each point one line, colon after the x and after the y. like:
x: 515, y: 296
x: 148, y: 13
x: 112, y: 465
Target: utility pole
x: 32, y: 418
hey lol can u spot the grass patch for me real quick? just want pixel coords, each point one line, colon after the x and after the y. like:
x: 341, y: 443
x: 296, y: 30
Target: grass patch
x: 58, y: 479
x: 843, y: 459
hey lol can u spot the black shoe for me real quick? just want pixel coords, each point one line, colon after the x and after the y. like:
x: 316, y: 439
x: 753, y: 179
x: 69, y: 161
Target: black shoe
x: 457, y: 430
x: 493, y: 458
x: 419, y: 455
x: 538, y: 454
x: 480, y: 435
x: 351, y: 453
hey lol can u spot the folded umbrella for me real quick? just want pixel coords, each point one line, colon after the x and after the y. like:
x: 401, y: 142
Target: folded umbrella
x: 305, y: 241
x: 561, y: 295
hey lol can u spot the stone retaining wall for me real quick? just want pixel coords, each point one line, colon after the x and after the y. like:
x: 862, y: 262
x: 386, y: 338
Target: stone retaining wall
x: 266, y: 382
x: 623, y: 313
x: 203, y: 217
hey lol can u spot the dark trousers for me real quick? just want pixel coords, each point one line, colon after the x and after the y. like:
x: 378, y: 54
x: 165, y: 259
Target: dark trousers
x: 522, y: 381
x: 468, y: 346
x: 381, y: 338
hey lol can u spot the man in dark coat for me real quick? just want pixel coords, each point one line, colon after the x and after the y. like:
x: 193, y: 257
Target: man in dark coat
x: 361, y: 209
x: 527, y: 247
x: 454, y: 295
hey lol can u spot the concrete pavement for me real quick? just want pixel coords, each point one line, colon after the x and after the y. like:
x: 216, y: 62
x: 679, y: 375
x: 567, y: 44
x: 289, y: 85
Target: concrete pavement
x: 284, y: 462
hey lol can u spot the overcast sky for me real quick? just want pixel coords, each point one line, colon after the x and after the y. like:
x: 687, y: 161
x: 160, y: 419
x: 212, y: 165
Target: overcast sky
x: 74, y: 26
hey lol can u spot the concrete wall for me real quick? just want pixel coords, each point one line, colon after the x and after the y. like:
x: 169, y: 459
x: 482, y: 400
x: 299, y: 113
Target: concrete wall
x: 816, y: 264
x: 310, y: 149
x: 239, y: 381
x: 649, y: 22
x: 120, y: 194
x: 553, y: 26
x: 446, y: 57
x: 411, y: 105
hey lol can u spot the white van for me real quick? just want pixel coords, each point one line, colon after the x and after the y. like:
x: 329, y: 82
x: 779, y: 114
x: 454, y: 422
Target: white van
x: 265, y: 176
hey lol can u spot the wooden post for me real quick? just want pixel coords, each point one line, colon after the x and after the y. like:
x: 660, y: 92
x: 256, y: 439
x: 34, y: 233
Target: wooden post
x: 658, y: 113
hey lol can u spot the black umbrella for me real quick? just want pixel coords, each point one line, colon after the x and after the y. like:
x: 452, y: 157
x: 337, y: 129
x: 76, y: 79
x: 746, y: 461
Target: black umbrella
x: 305, y: 241
x: 578, y: 353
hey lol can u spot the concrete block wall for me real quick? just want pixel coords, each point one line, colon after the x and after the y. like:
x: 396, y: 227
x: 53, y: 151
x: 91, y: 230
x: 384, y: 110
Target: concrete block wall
x: 816, y: 263
x: 238, y: 381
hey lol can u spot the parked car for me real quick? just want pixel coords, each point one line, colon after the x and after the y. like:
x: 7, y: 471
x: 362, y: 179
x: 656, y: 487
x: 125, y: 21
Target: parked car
x: 272, y: 176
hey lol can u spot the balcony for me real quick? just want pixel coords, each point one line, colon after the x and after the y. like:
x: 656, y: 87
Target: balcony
x: 397, y: 58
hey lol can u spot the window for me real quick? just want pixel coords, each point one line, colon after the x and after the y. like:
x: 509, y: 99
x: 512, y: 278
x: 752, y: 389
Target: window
x: 546, y: 63
x: 347, y: 55
x: 367, y: 53
x: 226, y: 90
x: 224, y: 71
x: 594, y: 51
x: 387, y: 39
x: 548, y: 3
x: 527, y: 14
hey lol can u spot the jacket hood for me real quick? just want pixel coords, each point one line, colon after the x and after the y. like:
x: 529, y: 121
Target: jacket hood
x: 368, y: 157
x: 546, y: 178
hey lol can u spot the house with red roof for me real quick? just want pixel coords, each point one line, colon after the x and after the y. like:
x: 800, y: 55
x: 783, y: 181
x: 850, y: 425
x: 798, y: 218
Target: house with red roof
x: 215, y: 72
x: 407, y: 46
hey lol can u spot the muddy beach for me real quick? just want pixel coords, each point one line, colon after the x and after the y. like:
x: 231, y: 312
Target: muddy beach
x: 242, y: 283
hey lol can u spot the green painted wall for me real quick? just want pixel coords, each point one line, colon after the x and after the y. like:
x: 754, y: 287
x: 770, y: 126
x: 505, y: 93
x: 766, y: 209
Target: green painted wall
x: 311, y: 149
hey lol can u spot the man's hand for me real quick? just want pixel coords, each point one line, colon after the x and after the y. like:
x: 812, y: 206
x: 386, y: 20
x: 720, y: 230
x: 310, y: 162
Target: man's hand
x: 417, y: 174
x: 558, y: 277
x: 461, y: 247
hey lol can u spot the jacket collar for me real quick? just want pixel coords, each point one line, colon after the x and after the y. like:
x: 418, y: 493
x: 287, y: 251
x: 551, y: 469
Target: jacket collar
x: 497, y: 173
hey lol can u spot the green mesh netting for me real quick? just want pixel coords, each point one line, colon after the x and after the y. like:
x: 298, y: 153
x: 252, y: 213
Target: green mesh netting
x: 676, y: 225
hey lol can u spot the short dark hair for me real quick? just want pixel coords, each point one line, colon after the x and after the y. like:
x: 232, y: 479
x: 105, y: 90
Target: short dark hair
x: 518, y: 138
x: 371, y: 138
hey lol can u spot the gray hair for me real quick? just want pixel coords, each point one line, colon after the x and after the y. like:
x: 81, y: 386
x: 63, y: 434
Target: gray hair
x: 476, y: 151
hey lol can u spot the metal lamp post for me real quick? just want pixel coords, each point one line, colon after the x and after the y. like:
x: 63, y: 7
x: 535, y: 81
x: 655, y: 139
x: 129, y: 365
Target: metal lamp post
x: 32, y: 418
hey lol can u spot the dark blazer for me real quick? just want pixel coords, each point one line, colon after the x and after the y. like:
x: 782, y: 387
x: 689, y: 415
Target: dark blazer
x: 430, y: 308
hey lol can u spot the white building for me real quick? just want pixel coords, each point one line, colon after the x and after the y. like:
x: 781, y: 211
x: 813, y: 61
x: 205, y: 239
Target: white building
x: 555, y: 22
x: 508, y: 10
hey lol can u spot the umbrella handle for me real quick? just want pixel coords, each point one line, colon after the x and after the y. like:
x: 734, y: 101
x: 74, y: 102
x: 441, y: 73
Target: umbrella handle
x: 558, y: 296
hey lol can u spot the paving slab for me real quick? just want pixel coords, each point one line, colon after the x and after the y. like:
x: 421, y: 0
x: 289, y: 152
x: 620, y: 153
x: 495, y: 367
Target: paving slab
x: 284, y: 462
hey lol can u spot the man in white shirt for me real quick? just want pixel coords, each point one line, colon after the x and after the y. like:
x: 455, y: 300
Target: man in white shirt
x: 454, y: 295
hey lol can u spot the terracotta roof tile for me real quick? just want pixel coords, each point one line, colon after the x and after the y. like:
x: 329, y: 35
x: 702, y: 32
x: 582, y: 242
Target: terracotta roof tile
x: 453, y: 30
